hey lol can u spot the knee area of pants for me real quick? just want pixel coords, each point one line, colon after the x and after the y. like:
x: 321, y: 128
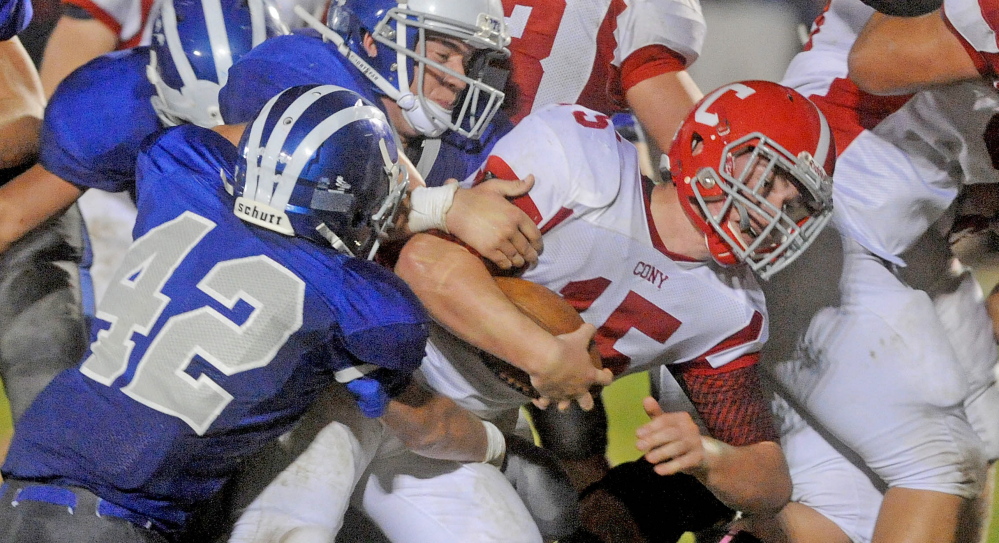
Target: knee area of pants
x: 964, y: 477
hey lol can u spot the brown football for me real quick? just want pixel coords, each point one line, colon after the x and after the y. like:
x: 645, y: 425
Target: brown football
x: 546, y: 309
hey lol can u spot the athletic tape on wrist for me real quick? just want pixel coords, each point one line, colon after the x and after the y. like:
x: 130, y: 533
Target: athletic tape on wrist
x: 429, y: 207
x: 495, y: 444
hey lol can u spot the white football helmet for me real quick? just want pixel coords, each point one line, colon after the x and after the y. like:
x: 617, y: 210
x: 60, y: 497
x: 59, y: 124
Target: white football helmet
x: 400, y: 33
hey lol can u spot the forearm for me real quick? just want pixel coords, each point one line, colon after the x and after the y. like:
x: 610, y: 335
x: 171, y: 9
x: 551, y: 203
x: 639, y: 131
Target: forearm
x: 753, y: 479
x: 661, y: 103
x: 30, y: 199
x: 21, y: 105
x: 923, y: 52
x: 73, y: 43
x: 434, y: 426
x: 460, y: 294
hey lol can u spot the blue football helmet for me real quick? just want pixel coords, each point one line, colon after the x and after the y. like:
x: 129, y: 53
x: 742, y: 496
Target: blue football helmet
x: 400, y: 32
x: 194, y: 42
x: 321, y: 162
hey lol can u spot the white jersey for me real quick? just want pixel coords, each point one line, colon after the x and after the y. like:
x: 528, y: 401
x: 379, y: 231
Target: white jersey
x: 591, y: 53
x: 603, y: 255
x: 128, y: 19
x: 976, y: 29
x: 902, y: 159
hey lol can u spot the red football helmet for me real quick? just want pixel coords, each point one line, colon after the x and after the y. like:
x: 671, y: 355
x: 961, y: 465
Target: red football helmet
x: 770, y: 132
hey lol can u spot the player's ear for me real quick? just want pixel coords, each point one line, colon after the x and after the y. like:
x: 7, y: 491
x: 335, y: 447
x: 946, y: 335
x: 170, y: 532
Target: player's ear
x: 369, y: 45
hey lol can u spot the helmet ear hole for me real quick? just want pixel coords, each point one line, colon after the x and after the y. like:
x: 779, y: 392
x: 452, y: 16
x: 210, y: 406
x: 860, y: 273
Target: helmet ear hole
x: 696, y: 144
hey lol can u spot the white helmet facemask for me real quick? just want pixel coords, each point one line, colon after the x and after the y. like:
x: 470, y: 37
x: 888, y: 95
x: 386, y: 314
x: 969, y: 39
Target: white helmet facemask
x: 480, y: 100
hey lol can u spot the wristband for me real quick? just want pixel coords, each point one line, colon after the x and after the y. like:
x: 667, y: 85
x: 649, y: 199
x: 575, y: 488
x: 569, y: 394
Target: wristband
x: 495, y: 445
x: 429, y: 207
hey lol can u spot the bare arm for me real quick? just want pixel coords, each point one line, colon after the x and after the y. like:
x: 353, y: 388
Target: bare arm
x: 434, y: 426
x: 922, y: 52
x: 661, y: 103
x: 459, y: 293
x: 30, y: 199
x: 73, y: 43
x: 752, y: 478
x: 21, y: 105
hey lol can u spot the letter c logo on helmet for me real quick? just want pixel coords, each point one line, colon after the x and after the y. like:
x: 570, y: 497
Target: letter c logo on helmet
x: 703, y: 116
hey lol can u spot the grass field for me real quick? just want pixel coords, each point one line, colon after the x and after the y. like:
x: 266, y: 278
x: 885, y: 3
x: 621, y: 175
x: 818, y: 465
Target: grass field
x: 627, y: 414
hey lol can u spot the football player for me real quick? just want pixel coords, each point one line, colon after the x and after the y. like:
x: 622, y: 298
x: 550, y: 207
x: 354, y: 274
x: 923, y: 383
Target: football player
x: 245, y: 294
x: 664, y: 273
x: 427, y: 62
x: 881, y: 317
x: 610, y: 57
x: 94, y: 124
x: 38, y: 279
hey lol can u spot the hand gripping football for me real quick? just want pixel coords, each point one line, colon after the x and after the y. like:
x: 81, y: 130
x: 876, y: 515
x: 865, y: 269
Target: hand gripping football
x: 547, y: 310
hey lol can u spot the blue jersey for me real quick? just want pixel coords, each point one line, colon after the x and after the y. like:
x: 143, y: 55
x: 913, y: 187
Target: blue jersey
x: 14, y: 17
x: 303, y: 58
x: 217, y: 336
x: 97, y: 119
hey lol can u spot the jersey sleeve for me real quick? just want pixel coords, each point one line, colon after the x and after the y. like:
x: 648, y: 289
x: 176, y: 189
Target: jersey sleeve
x: 575, y: 157
x: 96, y: 120
x: 14, y: 17
x: 302, y: 58
x: 731, y: 404
x: 654, y: 36
x: 380, y: 319
x: 124, y: 18
x: 975, y: 27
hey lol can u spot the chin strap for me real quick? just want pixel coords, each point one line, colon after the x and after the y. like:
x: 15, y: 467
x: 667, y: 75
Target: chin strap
x: 414, y: 111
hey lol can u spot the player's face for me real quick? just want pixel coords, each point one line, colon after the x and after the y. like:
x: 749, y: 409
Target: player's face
x: 439, y: 86
x: 772, y: 190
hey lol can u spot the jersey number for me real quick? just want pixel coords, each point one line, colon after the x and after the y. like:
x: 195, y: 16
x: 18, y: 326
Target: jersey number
x: 634, y: 312
x: 566, y: 21
x: 134, y: 303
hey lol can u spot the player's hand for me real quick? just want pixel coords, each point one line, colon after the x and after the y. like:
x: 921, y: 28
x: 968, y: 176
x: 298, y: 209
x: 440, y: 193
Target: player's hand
x: 569, y: 375
x: 670, y: 441
x: 484, y: 219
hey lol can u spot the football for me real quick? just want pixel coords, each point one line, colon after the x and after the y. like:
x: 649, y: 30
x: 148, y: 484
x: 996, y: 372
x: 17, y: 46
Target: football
x: 549, y: 311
